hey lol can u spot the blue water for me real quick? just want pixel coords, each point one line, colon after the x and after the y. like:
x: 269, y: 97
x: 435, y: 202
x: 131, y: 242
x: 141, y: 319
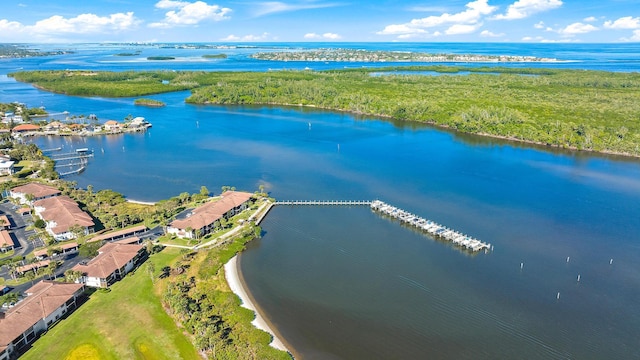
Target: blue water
x: 344, y: 283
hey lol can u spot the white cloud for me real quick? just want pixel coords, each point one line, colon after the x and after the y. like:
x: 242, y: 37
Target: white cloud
x: 12, y: 26
x: 330, y: 36
x: 539, y: 25
x: 188, y: 13
x: 272, y: 7
x: 487, y: 33
x: 577, y: 28
x: 525, y: 8
x: 459, y: 29
x: 623, y: 23
x: 232, y: 37
x: 590, y: 19
x: 169, y: 4
x: 85, y: 23
x: 458, y: 22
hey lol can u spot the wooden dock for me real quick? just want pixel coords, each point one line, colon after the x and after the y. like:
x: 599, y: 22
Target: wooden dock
x: 325, y: 202
x: 464, y: 241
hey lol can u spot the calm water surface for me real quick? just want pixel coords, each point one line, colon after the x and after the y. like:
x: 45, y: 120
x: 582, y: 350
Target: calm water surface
x: 345, y: 283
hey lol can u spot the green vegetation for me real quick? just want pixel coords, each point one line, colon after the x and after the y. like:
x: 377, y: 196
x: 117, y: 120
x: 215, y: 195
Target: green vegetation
x: 161, y: 58
x: 128, y: 53
x: 111, y: 84
x: 149, y: 102
x: 215, y: 56
x: 127, y: 322
x: 196, y: 293
x: 589, y: 110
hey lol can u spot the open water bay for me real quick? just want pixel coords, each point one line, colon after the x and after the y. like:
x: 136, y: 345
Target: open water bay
x: 345, y: 283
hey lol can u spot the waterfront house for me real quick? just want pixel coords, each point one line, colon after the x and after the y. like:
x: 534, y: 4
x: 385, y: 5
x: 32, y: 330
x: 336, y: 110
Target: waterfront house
x: 54, y: 126
x: 62, y: 214
x: 25, y: 128
x: 204, y: 219
x: 113, y: 262
x: 6, y: 241
x: 138, y: 123
x: 112, y: 126
x: 34, y: 190
x: 45, y: 304
x: 6, y: 165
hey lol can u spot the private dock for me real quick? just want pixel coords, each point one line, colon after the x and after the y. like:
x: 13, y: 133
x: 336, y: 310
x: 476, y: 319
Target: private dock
x: 430, y: 227
x: 464, y: 241
x: 73, y: 162
x: 324, y: 202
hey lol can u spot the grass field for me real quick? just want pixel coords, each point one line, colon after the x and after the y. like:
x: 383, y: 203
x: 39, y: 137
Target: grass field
x: 127, y: 322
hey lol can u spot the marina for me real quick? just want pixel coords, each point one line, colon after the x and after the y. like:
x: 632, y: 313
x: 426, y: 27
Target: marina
x: 73, y: 162
x: 431, y: 227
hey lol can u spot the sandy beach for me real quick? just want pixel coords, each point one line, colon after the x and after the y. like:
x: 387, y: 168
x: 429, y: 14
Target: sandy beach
x: 233, y: 279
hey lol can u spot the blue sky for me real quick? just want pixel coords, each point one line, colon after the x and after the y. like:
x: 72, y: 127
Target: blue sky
x: 585, y: 21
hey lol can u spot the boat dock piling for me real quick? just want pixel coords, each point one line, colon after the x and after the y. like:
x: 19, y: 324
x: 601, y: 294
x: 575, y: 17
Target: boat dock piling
x: 431, y: 227
x: 440, y: 231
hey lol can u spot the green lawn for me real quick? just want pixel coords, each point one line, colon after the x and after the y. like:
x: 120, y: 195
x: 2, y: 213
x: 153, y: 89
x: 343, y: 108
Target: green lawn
x: 126, y: 323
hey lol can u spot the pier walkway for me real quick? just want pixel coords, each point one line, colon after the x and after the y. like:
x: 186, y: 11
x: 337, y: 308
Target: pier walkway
x: 324, y: 202
x: 431, y: 227
x: 428, y: 226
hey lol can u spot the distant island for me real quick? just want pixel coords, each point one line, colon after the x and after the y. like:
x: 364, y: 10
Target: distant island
x: 18, y: 51
x: 351, y: 55
x: 128, y: 53
x: 215, y: 56
x: 148, y: 102
x: 161, y: 58
x: 574, y: 109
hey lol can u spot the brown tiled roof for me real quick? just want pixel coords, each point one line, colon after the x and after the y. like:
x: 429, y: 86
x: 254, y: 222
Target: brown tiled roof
x: 4, y: 220
x: 35, y: 265
x: 210, y: 212
x: 24, y: 210
x: 69, y: 246
x: 26, y: 127
x: 45, y: 298
x: 37, y: 190
x: 129, y: 240
x: 119, y: 233
x: 5, y: 239
x: 65, y: 212
x: 38, y: 253
x: 111, y: 257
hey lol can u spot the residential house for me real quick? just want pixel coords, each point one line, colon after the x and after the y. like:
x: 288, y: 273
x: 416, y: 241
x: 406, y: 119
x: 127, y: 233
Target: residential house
x: 25, y: 128
x: 6, y: 165
x: 112, y: 126
x: 113, y: 262
x: 54, y: 126
x: 35, y: 190
x: 62, y: 214
x: 6, y: 242
x: 45, y: 304
x: 206, y: 218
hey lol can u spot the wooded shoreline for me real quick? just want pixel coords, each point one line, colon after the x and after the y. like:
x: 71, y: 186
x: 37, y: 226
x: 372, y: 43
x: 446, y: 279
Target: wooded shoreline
x: 580, y: 110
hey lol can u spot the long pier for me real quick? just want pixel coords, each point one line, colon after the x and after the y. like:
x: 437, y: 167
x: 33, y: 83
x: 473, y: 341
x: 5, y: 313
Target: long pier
x: 324, y: 202
x: 71, y: 156
x: 431, y: 227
